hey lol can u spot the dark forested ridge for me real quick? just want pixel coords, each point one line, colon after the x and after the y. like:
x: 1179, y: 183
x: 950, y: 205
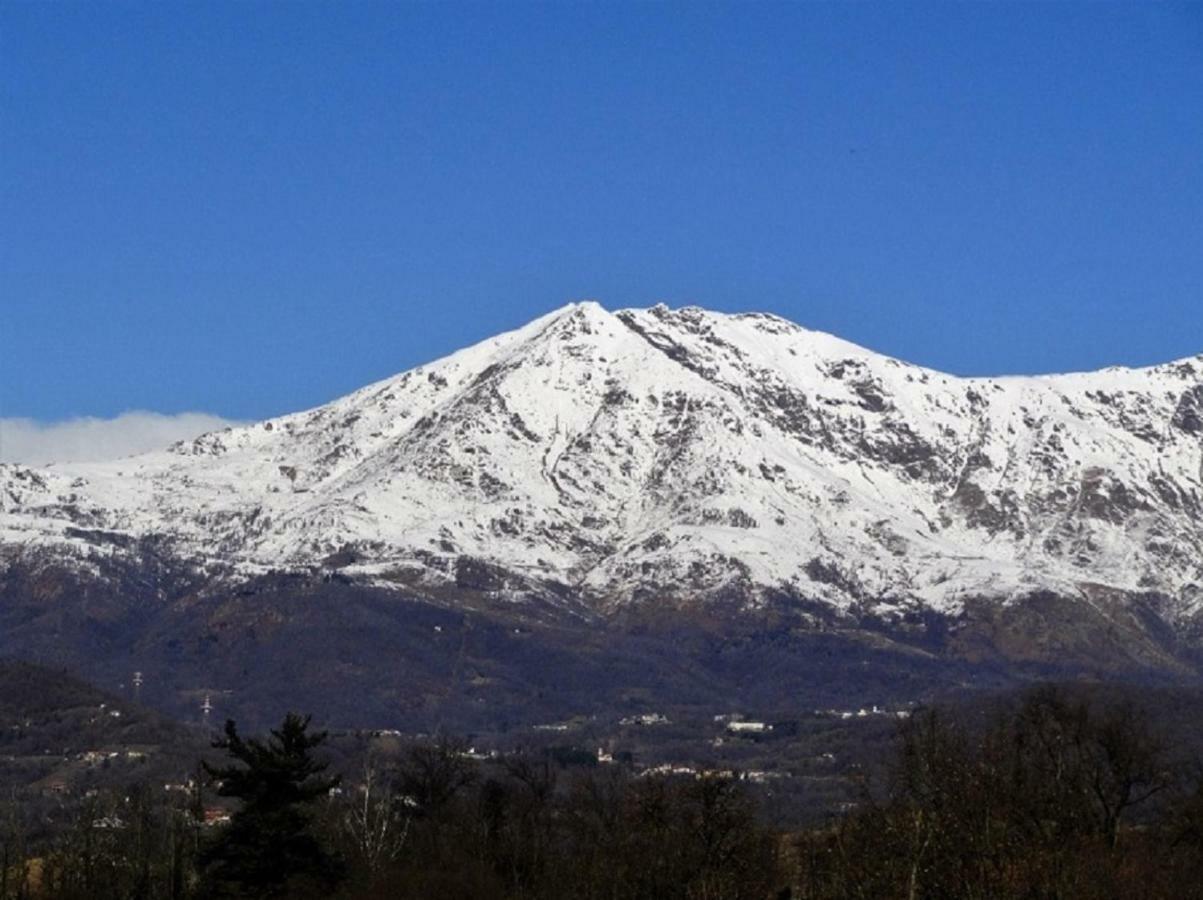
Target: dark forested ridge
x: 1056, y: 790
x: 61, y: 735
x: 361, y: 656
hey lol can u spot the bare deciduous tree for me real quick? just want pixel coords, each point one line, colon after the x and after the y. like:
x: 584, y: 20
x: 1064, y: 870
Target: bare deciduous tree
x: 377, y: 819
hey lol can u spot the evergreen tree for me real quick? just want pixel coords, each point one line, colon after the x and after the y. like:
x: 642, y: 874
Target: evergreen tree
x: 269, y: 848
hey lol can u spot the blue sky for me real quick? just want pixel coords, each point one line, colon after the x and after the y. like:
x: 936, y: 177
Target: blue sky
x: 251, y: 208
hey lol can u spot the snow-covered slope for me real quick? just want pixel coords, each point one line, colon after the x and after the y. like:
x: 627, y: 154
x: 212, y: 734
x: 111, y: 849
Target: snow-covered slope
x: 681, y: 455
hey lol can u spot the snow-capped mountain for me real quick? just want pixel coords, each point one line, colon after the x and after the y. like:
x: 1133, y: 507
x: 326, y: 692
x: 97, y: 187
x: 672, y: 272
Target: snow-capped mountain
x: 659, y: 455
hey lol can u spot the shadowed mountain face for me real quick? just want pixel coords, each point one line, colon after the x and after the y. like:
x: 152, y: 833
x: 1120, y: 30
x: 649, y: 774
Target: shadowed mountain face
x: 634, y: 474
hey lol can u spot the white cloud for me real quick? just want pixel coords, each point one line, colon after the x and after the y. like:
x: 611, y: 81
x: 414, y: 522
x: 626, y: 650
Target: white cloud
x: 90, y: 439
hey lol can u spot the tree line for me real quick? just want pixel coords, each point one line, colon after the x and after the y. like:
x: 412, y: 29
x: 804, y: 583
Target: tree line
x: 1059, y: 793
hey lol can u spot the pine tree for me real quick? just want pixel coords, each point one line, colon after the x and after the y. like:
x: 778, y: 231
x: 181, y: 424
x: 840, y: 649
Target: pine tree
x: 269, y: 848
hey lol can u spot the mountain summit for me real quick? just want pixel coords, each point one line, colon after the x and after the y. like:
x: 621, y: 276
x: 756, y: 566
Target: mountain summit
x: 605, y: 461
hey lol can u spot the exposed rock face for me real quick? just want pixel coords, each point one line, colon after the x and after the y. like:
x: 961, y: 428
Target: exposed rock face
x: 603, y: 460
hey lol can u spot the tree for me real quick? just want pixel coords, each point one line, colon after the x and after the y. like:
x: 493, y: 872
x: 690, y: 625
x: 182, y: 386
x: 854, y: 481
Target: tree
x: 376, y: 820
x: 1087, y: 766
x: 14, y: 867
x: 269, y: 848
x: 431, y: 775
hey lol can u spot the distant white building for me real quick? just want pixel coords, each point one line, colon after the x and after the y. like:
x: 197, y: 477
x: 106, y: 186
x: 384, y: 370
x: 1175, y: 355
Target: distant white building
x: 668, y: 769
x: 749, y: 727
x: 645, y: 719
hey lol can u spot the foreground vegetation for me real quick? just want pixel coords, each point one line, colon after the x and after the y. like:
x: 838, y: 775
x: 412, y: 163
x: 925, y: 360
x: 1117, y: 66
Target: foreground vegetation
x: 1058, y: 793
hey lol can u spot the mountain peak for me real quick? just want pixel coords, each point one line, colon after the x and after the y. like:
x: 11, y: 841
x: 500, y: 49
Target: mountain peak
x: 579, y: 309
x: 677, y: 454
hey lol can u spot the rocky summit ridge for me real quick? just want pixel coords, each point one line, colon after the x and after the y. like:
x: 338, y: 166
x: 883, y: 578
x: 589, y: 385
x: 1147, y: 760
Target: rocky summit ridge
x: 606, y: 461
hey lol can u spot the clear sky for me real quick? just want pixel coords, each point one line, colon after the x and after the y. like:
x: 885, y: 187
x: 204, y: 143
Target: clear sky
x: 251, y: 208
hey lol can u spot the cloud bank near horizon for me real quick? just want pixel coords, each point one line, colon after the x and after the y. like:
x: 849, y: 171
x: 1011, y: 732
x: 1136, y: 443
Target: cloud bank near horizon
x: 90, y: 439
